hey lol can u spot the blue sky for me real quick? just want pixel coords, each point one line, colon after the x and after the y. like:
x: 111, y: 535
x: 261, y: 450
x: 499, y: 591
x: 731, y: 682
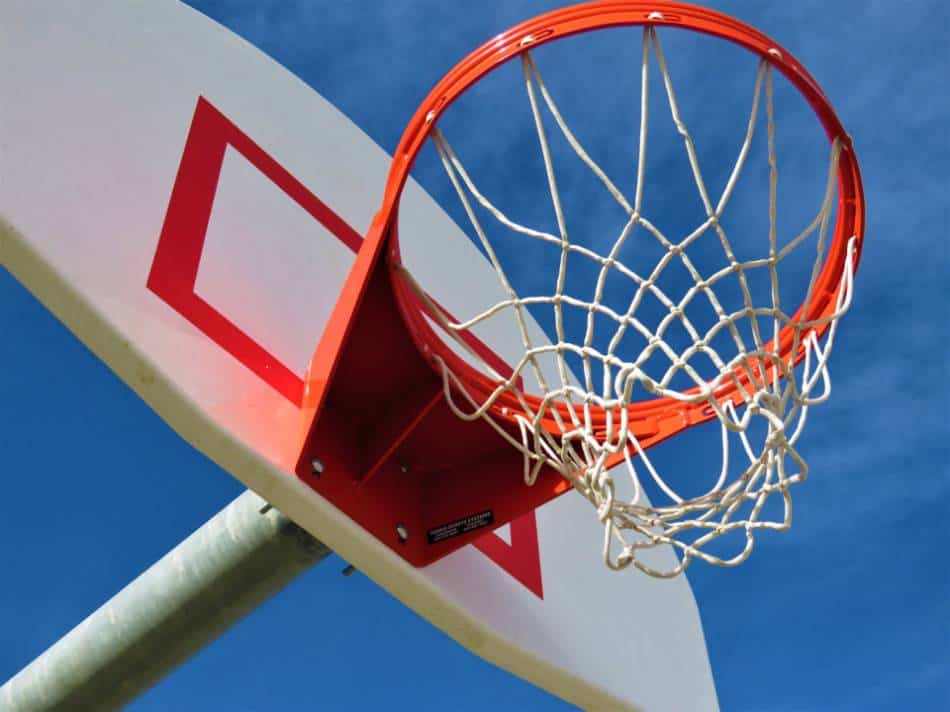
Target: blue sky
x: 847, y: 611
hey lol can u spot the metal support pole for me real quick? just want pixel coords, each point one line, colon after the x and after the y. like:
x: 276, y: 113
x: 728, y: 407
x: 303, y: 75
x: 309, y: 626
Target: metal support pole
x: 232, y: 564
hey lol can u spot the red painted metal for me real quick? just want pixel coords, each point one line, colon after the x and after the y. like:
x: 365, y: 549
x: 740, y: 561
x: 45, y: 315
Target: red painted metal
x: 373, y: 412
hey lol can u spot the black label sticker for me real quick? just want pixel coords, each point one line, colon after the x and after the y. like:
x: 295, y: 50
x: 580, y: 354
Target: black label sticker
x: 460, y: 526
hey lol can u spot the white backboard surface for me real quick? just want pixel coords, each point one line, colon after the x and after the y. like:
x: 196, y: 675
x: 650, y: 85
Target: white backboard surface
x: 92, y: 134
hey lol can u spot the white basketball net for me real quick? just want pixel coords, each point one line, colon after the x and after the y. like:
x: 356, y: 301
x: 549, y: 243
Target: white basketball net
x: 780, y: 394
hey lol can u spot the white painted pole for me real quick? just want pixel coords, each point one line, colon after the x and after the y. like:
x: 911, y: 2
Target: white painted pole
x: 223, y: 571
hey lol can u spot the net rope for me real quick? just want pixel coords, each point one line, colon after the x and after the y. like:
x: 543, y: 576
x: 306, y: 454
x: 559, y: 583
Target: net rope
x: 773, y: 390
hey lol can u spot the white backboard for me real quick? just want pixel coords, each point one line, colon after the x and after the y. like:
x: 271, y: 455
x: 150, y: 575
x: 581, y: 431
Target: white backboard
x: 93, y: 129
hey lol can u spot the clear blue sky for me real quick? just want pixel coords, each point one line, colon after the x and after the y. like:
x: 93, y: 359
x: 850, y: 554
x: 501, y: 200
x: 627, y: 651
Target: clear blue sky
x: 848, y: 611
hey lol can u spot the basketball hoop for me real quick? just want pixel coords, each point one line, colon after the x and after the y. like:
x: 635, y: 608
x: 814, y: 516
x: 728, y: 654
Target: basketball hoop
x: 581, y: 426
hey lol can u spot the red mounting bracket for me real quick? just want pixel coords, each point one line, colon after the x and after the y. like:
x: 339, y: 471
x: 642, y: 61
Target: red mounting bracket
x: 379, y: 441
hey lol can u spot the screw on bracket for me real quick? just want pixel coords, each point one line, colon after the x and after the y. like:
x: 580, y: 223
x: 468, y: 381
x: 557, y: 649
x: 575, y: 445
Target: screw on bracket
x: 316, y: 466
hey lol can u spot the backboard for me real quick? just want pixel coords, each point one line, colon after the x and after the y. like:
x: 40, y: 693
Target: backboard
x: 190, y: 210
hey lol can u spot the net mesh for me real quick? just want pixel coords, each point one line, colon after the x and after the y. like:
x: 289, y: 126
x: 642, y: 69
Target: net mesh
x: 771, y: 395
